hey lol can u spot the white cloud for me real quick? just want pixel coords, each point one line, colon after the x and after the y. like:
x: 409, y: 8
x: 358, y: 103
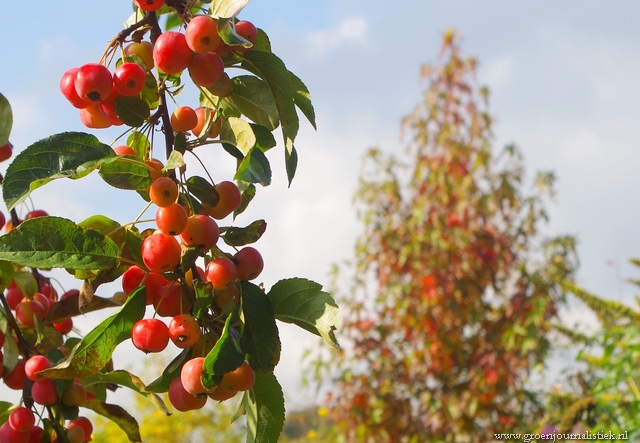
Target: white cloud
x: 351, y: 29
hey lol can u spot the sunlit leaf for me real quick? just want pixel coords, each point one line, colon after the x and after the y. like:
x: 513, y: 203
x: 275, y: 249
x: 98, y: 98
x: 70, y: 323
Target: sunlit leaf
x: 264, y: 408
x: 69, y: 154
x: 55, y: 242
x: 95, y: 350
x: 303, y: 303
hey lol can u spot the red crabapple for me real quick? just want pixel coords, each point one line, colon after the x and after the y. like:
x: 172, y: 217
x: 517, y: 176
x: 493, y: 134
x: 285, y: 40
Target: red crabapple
x: 132, y: 278
x: 34, y: 365
x: 161, y: 252
x: 150, y: 335
x: 171, y: 52
x: 124, y: 150
x: 22, y: 419
x: 26, y: 310
x: 149, y: 5
x: 68, y: 89
x: 10, y: 435
x: 184, y: 330
x: 171, y: 300
x: 221, y: 272
x: 201, y: 231
x: 129, y: 79
x: 182, y: 400
x: 249, y: 263
x: 85, y: 424
x: 44, y: 392
x: 230, y: 200
x: 247, y: 31
x: 190, y: 376
x: 6, y: 151
x: 17, y: 377
x: 206, y: 69
x: 172, y: 219
x: 202, y: 34
x: 93, y: 82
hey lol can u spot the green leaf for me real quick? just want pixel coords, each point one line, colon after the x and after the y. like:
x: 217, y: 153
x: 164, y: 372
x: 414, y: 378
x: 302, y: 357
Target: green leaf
x: 254, y: 168
x: 128, y: 380
x: 227, y: 31
x: 247, y: 196
x: 262, y: 42
x: 133, y: 111
x: 174, y: 161
x: 260, y: 340
x: 253, y: 97
x: 95, y: 350
x: 139, y: 143
x: 204, y: 191
x: 243, y: 236
x: 264, y: 408
x: 291, y: 163
x: 161, y: 384
x: 7, y: 274
x: 5, y: 410
x: 303, y: 303
x: 302, y: 98
x: 225, y: 356
x: 118, y: 415
x: 227, y: 8
x: 55, y: 242
x: 271, y: 69
x: 6, y: 120
x: 235, y: 152
x: 26, y: 282
x: 150, y: 91
x: 239, y: 133
x: 126, y: 172
x: 70, y: 155
x: 264, y: 138
x: 223, y: 87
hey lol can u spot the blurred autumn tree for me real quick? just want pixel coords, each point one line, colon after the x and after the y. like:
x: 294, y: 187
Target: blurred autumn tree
x: 453, y: 289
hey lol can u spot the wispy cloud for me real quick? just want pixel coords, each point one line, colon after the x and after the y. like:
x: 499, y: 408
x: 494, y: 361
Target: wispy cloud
x: 353, y: 29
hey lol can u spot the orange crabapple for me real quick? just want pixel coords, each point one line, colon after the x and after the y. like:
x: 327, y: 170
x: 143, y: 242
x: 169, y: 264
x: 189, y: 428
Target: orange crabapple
x: 172, y: 219
x: 163, y: 191
x: 202, y: 34
x: 184, y: 119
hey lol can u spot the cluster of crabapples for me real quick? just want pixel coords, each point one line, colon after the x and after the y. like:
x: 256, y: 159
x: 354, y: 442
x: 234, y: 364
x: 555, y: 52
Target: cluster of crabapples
x: 93, y: 89
x: 161, y: 253
x: 29, y: 310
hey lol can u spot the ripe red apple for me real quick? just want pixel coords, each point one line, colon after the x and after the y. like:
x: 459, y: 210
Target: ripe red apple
x: 150, y: 335
x: 6, y: 151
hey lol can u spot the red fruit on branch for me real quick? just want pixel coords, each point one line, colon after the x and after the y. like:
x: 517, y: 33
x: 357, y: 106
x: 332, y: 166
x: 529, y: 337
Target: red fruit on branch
x: 161, y: 252
x: 93, y: 82
x: 150, y: 335
x: 171, y: 52
x: 202, y: 34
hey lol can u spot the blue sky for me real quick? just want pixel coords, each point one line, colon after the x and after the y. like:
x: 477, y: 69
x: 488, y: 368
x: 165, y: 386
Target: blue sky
x: 564, y: 82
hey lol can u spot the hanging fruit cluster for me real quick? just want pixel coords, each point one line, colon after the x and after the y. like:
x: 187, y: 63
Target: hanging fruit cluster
x: 185, y: 279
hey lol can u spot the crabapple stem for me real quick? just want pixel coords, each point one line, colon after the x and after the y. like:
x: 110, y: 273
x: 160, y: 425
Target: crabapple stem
x: 169, y: 138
